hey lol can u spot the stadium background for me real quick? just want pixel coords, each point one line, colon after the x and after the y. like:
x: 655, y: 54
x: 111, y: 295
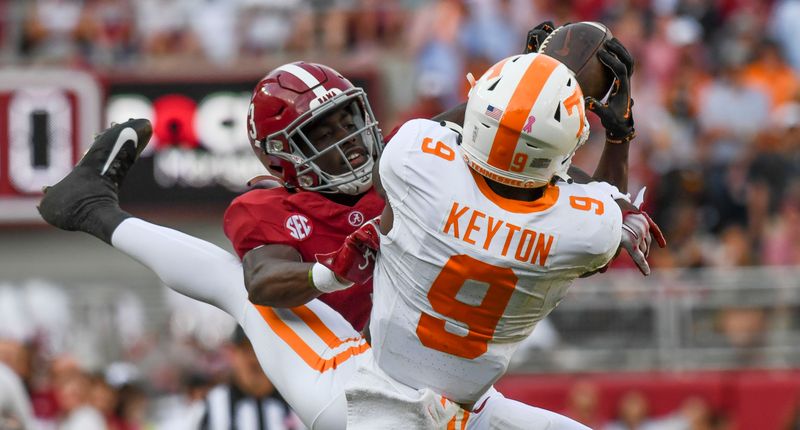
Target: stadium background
x: 710, y: 341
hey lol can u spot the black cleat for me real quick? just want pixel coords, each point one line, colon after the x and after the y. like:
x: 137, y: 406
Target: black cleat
x: 86, y: 199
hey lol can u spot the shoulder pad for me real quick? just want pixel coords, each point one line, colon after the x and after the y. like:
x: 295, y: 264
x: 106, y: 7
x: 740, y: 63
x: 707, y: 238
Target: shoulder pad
x: 454, y: 127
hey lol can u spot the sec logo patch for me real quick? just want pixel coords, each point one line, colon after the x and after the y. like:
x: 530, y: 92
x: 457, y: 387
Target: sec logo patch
x: 355, y: 218
x: 299, y: 226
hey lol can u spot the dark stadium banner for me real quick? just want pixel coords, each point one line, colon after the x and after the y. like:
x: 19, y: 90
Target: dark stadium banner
x: 199, y: 154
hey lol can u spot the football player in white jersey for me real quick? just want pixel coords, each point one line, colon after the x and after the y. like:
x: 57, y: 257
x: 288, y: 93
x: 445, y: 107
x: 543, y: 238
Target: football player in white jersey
x: 484, y: 238
x: 480, y: 242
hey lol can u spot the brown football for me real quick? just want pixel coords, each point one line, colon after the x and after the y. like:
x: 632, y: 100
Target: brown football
x: 576, y: 46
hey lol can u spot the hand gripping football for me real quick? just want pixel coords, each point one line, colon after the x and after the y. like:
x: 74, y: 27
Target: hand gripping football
x: 576, y: 46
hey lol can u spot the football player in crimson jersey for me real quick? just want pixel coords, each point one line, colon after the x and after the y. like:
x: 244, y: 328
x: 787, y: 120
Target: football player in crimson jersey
x: 316, y: 133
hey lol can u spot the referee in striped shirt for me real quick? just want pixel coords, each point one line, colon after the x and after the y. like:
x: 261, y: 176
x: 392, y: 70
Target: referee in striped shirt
x: 249, y: 401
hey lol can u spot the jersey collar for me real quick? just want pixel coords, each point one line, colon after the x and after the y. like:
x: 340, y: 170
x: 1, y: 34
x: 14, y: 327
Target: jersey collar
x: 547, y: 200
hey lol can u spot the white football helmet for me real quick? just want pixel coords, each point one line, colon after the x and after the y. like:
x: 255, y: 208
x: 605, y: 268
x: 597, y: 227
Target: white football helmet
x: 525, y: 119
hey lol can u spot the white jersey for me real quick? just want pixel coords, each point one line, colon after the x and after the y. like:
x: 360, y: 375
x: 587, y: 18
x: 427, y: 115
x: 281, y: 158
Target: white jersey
x: 464, y: 275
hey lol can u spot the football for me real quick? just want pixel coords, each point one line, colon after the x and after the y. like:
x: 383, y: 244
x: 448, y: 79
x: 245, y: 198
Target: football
x: 576, y: 46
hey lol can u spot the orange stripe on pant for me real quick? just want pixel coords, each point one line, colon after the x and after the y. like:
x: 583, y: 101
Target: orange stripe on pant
x: 518, y: 110
x: 312, y: 320
x: 451, y: 425
x: 301, y: 348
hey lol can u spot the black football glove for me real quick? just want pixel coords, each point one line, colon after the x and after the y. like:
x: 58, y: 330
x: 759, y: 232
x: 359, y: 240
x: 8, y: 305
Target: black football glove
x: 537, y: 35
x: 616, y: 115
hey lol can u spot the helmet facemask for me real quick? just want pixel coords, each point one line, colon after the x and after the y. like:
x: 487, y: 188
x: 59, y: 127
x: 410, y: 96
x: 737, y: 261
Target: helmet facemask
x: 295, y: 144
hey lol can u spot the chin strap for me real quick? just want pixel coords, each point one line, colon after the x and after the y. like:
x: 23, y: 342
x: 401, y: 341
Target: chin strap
x: 257, y: 180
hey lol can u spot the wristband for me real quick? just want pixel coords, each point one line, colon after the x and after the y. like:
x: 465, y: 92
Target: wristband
x: 620, y: 140
x: 324, y: 280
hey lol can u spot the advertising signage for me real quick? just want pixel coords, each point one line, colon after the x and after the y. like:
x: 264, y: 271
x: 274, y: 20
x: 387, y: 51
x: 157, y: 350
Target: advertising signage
x: 199, y: 153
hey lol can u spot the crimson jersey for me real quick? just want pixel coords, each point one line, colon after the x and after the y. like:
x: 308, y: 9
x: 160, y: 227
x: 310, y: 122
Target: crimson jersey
x: 310, y: 223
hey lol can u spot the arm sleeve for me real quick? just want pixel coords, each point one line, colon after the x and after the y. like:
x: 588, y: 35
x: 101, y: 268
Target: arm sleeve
x: 186, y: 264
x: 608, y: 231
x: 592, y: 236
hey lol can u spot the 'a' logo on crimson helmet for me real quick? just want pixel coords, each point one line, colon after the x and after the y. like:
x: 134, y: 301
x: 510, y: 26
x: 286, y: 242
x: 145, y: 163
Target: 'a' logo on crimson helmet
x: 299, y: 226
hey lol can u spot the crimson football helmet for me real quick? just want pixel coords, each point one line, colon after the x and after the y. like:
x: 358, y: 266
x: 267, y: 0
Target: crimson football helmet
x: 285, y: 105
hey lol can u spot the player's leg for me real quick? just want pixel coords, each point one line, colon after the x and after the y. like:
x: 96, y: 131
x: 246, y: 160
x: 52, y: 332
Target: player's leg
x: 324, y: 353
x: 87, y: 200
x: 191, y: 266
x: 308, y: 352
x: 495, y: 411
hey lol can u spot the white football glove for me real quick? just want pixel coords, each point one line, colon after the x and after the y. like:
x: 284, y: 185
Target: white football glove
x: 638, y: 230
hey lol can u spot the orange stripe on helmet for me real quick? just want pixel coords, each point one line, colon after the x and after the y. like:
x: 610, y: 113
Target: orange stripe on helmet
x: 495, y: 70
x: 518, y: 110
x: 301, y: 348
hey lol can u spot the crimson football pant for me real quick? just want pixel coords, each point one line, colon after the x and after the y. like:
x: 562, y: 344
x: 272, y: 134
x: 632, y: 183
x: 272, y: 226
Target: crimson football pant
x: 310, y: 352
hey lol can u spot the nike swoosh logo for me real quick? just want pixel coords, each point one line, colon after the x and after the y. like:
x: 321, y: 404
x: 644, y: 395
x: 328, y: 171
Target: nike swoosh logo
x: 127, y: 134
x: 480, y: 408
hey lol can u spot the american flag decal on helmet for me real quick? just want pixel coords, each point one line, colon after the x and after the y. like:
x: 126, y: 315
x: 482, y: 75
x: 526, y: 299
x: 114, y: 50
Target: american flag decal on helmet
x: 493, y: 112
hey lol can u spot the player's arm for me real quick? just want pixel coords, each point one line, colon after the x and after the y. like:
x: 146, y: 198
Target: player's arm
x: 274, y: 272
x: 276, y: 276
x: 615, y: 115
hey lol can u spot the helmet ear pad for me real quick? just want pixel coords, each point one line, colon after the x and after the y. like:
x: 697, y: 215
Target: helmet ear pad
x: 524, y: 120
x: 284, y: 103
